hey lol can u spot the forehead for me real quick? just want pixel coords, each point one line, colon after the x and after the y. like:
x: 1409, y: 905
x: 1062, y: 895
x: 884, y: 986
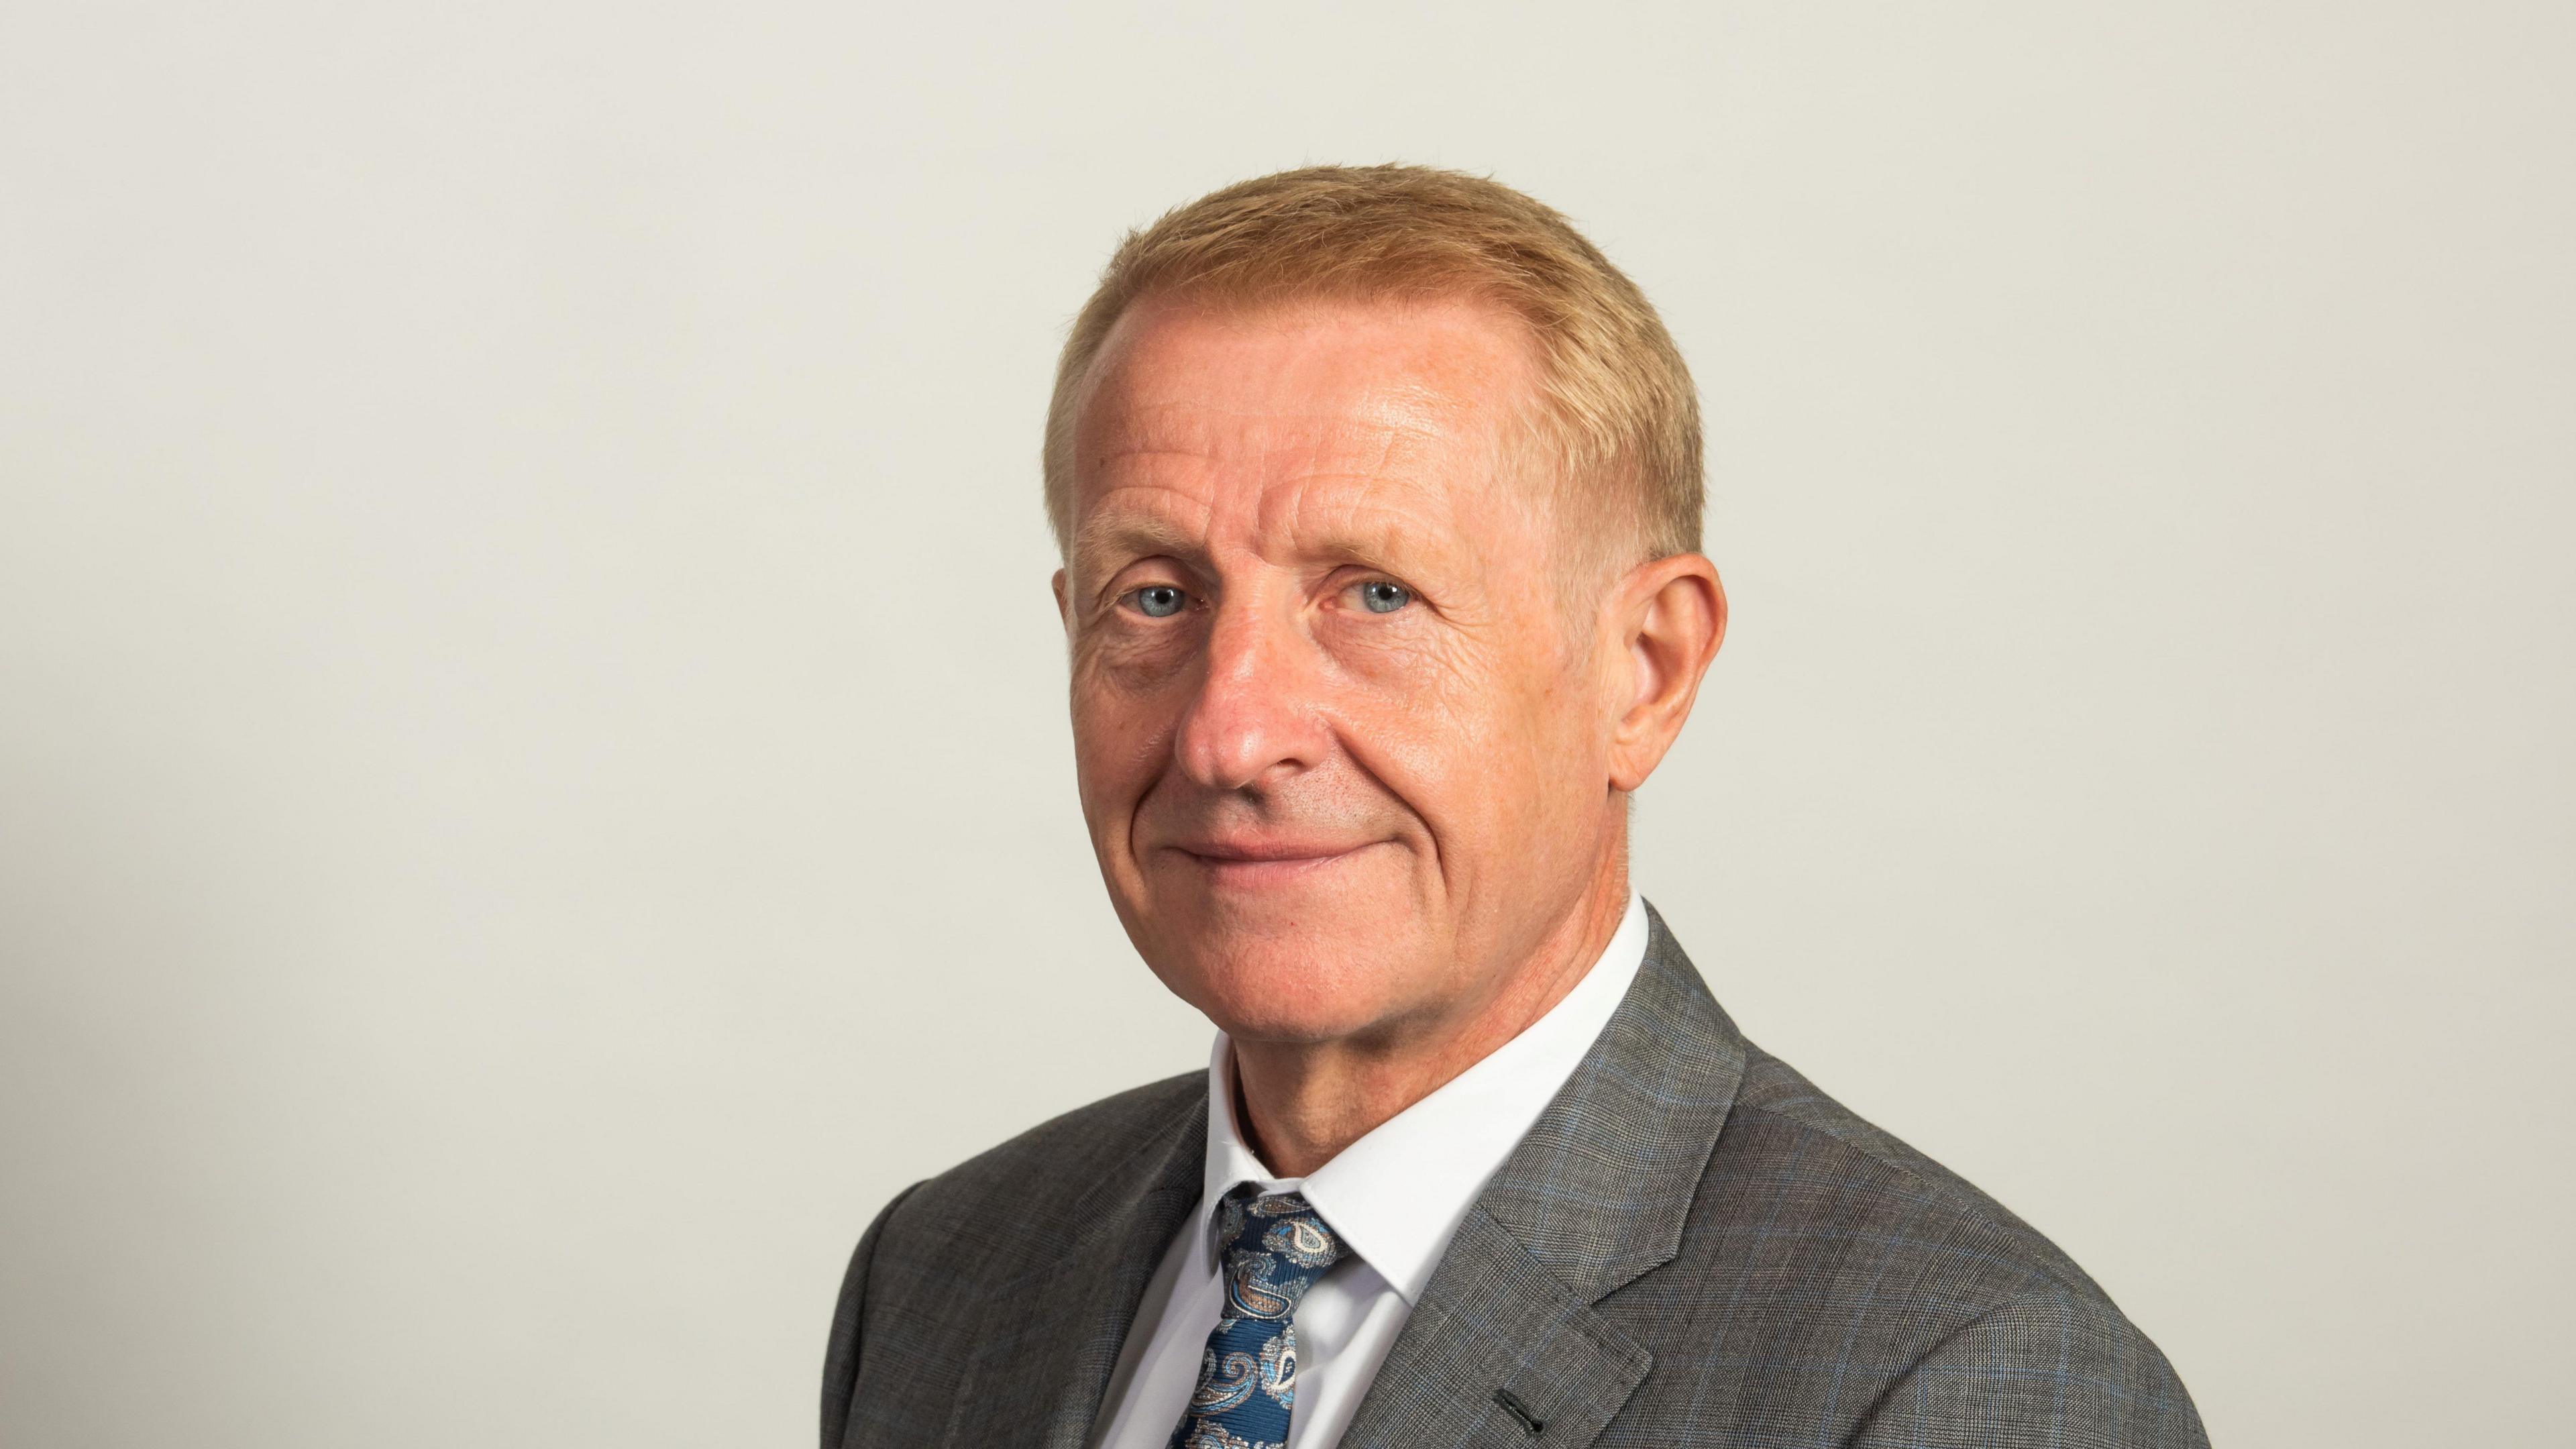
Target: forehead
x: 1274, y: 420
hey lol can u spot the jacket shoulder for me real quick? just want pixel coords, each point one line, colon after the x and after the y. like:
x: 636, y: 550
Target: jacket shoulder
x: 1837, y: 1286
x: 1881, y: 1180
x: 1063, y: 1153
x: 900, y: 1342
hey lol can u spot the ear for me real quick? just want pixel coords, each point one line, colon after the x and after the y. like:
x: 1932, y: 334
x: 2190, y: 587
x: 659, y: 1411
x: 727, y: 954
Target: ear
x: 1063, y: 614
x: 1671, y: 616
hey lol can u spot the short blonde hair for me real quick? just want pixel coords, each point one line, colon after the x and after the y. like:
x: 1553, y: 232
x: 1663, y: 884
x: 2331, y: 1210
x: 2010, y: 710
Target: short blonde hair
x: 1619, y: 411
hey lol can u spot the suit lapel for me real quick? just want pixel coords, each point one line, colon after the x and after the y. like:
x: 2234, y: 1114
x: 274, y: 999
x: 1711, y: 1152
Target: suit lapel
x: 1049, y: 1339
x: 1497, y: 1344
x: 1505, y: 1346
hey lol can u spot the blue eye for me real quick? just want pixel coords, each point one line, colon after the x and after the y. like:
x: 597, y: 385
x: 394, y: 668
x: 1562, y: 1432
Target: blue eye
x: 1159, y: 601
x: 1381, y: 597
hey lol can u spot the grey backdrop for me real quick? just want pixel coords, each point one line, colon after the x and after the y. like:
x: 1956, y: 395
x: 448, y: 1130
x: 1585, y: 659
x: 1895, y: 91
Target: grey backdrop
x: 534, y: 790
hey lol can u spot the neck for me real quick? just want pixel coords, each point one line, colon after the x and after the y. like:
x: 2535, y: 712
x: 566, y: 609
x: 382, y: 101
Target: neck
x: 1301, y: 1103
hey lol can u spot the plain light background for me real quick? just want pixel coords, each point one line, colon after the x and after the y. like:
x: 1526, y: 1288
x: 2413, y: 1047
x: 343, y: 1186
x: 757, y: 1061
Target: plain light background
x: 534, y: 789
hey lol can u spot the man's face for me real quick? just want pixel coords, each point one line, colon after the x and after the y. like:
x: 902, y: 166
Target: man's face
x: 1341, y: 739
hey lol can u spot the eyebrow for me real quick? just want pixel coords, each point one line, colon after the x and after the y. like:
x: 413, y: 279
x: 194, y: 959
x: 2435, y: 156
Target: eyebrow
x: 1135, y: 535
x: 1354, y: 533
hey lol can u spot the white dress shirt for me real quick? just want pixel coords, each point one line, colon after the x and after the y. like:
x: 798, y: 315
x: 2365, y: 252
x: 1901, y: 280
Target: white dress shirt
x: 1394, y: 1197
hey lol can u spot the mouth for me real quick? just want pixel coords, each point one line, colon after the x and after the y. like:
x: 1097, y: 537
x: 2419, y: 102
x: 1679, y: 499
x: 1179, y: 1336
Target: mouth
x: 1269, y: 863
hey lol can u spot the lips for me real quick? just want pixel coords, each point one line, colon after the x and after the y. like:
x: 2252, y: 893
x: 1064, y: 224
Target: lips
x: 1265, y: 852
x: 1261, y: 864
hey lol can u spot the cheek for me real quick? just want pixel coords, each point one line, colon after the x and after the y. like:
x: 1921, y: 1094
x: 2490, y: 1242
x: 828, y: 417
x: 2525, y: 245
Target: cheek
x: 1468, y: 737
x: 1121, y: 733
x: 1129, y: 692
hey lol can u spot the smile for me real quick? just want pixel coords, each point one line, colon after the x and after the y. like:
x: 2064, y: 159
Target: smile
x: 1257, y: 867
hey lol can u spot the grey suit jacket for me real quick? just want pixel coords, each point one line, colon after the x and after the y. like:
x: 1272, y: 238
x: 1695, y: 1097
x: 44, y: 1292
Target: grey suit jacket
x: 1693, y: 1246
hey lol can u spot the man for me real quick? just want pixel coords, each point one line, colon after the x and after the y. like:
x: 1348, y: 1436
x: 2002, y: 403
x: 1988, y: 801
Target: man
x: 1379, y: 498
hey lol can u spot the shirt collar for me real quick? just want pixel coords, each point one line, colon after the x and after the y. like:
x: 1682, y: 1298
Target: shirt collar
x: 1398, y: 1194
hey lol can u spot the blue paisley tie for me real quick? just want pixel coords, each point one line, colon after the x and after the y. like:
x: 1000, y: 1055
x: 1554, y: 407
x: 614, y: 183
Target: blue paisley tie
x: 1275, y: 1249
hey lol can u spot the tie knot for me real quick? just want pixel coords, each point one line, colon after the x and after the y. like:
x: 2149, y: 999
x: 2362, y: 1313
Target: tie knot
x: 1275, y: 1249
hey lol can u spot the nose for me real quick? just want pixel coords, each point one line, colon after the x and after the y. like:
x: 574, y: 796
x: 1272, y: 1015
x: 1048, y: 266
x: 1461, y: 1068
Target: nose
x: 1256, y: 714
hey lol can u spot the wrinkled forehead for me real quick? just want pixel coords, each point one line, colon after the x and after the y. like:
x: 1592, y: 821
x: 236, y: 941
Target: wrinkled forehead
x: 1367, y: 415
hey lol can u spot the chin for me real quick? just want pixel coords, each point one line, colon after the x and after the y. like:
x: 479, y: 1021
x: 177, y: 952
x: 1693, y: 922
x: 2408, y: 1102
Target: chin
x: 1305, y: 952
x: 1322, y: 981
